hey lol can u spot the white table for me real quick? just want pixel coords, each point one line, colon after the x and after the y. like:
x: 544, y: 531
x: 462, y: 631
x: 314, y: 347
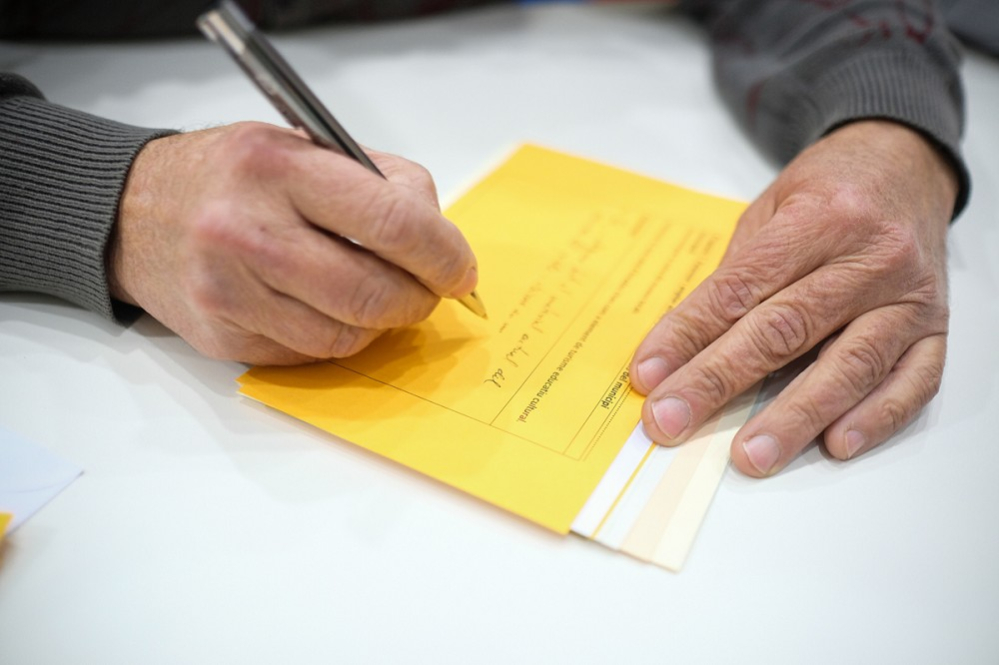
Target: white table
x: 207, y: 529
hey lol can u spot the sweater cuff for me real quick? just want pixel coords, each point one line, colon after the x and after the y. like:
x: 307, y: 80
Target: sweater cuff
x: 62, y: 176
x: 889, y: 86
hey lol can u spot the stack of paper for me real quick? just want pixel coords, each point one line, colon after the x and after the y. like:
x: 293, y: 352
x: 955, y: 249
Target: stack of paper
x: 652, y: 499
x: 529, y: 409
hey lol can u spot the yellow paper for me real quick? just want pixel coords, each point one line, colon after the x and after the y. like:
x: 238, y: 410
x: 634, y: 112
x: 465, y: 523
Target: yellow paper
x: 526, y: 410
x: 5, y: 519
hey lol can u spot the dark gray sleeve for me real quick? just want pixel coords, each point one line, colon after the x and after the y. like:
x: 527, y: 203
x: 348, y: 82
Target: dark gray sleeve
x: 974, y: 22
x: 61, y: 175
x: 793, y: 71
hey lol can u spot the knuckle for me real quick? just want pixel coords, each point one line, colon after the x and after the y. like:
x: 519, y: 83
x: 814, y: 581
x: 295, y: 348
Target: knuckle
x: 862, y: 207
x: 220, y: 230
x: 681, y: 332
x: 212, y: 227
x: 928, y: 290
x: 345, y: 341
x: 391, y: 231
x: 926, y: 382
x: 268, y: 254
x: 314, y: 337
x: 715, y: 386
x: 423, y: 181
x: 732, y: 297
x: 206, y: 298
x: 805, y: 410
x: 851, y: 202
x: 207, y: 294
x: 369, y: 305
x: 862, y: 366
x: 255, y: 148
x: 934, y: 292
x: 923, y: 385
x: 780, y: 333
x: 903, y: 254
x: 894, y: 413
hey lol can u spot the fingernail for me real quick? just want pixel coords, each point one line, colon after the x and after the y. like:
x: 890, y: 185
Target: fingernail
x: 651, y: 372
x: 672, y: 416
x: 854, y: 442
x: 762, y: 451
x: 468, y: 283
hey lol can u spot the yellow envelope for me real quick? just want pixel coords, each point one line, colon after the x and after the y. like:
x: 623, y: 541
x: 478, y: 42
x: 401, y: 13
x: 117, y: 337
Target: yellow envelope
x: 526, y: 410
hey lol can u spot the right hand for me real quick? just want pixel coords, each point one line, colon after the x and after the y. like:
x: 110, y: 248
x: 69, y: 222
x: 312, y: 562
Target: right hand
x: 235, y: 238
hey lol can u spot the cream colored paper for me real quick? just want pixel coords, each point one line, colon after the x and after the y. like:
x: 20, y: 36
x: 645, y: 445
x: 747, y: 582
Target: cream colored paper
x: 652, y: 500
x: 656, y: 517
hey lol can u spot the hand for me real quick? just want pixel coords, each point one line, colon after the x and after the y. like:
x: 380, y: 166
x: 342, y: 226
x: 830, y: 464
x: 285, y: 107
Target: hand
x: 235, y: 238
x: 845, y: 249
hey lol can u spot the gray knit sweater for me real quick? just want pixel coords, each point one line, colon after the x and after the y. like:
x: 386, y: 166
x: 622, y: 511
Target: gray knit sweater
x: 790, y: 71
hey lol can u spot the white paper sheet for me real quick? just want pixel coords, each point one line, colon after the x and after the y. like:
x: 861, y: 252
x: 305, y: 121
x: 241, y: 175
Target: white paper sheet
x: 30, y: 476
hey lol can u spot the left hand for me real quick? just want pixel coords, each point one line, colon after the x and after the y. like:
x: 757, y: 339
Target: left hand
x: 847, y: 247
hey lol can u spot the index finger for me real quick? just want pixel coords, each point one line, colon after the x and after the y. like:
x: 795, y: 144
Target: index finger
x: 750, y: 275
x: 391, y: 220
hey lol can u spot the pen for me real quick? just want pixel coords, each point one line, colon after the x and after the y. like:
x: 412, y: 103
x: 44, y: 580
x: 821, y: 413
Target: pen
x: 228, y: 26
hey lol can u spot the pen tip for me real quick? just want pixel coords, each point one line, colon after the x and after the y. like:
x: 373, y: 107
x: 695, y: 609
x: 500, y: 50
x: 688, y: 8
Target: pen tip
x: 474, y: 304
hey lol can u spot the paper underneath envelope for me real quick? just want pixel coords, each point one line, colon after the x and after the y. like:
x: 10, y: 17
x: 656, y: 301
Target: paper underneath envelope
x: 528, y: 409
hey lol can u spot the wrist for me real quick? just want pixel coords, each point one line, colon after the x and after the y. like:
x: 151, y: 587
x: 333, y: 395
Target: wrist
x: 909, y: 151
x: 135, y: 209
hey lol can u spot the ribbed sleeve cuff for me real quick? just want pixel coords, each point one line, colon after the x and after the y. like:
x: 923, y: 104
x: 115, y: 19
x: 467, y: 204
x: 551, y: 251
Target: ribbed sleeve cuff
x: 891, y: 85
x: 61, y: 176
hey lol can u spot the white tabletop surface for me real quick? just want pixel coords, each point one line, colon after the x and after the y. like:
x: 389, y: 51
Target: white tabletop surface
x: 208, y: 529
